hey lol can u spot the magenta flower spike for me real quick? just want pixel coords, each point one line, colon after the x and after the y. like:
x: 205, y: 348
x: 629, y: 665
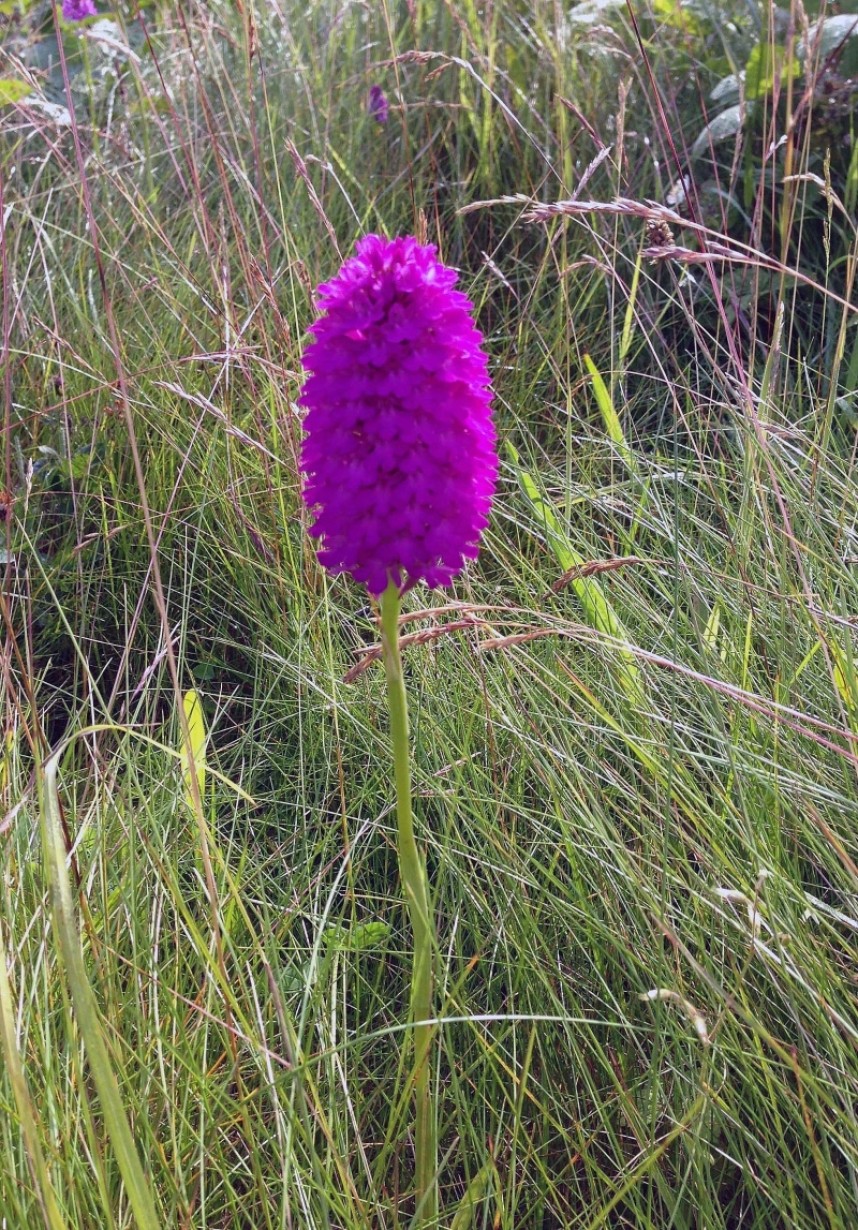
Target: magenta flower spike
x: 77, y: 10
x: 400, y: 447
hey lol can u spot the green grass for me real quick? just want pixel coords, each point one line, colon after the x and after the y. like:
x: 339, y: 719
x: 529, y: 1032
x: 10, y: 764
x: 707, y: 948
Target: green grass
x: 635, y: 720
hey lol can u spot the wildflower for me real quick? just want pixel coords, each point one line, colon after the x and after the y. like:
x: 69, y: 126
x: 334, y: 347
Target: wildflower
x: 400, y: 448
x: 77, y: 10
x: 378, y: 105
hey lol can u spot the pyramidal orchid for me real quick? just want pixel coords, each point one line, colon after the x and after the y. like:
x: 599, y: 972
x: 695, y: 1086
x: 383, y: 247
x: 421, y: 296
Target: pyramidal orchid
x: 400, y: 448
x: 400, y: 467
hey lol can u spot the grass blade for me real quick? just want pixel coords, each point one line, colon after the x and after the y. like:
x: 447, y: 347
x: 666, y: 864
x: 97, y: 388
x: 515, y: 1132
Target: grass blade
x: 598, y: 610
x: 193, y: 753
x: 12, y: 1056
x: 86, y: 1009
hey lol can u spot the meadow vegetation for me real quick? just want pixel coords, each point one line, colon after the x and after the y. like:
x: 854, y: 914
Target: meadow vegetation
x: 635, y: 720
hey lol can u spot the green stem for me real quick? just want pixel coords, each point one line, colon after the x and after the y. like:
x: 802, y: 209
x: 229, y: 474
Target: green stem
x: 412, y: 870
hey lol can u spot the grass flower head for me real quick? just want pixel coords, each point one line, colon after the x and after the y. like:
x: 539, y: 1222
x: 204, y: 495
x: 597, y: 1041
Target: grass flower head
x: 400, y: 447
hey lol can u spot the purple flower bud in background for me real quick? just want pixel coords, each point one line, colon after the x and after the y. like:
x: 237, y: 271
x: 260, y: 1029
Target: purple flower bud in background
x: 400, y: 448
x: 378, y: 105
x: 77, y: 10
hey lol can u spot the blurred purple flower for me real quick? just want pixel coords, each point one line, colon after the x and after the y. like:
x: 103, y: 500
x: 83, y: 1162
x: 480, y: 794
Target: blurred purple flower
x: 378, y: 104
x: 400, y: 447
x: 77, y: 10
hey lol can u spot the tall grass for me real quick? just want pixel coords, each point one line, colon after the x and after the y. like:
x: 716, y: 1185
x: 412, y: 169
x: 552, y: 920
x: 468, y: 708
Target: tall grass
x: 635, y: 722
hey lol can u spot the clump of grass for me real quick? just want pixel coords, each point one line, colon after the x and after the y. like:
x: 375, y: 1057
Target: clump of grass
x: 646, y: 895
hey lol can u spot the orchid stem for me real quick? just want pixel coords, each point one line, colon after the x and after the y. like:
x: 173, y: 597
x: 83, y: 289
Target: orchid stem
x: 412, y: 870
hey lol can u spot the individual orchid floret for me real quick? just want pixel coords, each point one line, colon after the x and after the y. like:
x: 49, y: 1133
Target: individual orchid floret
x: 379, y: 108
x: 78, y: 10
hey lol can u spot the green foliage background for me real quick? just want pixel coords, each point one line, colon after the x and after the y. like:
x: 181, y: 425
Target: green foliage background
x: 634, y: 721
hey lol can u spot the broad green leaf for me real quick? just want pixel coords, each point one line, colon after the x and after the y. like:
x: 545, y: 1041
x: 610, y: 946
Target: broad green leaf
x: 362, y: 937
x: 766, y: 62
x: 197, y: 754
x: 611, y: 419
x: 726, y: 124
x: 12, y: 90
x: 713, y: 623
x: 76, y: 467
x: 829, y: 34
x: 728, y: 91
x: 844, y: 678
x: 675, y: 13
x: 712, y: 634
x: 6, y: 758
